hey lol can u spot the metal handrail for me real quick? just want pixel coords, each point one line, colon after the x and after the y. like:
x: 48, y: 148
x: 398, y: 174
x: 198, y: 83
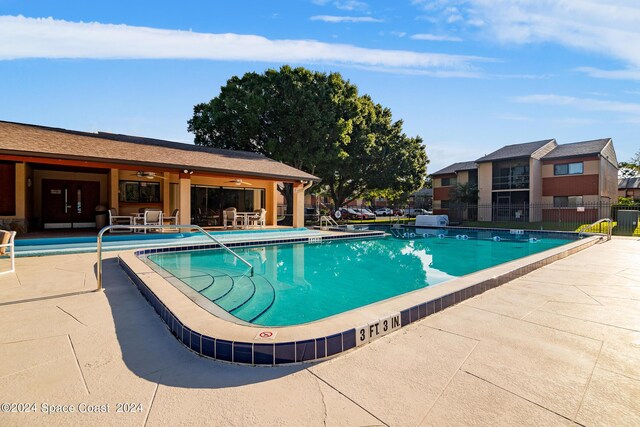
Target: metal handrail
x: 172, y: 226
x: 328, y: 220
x: 607, y: 220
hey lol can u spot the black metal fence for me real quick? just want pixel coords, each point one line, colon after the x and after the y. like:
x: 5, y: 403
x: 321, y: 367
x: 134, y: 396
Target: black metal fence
x: 545, y: 216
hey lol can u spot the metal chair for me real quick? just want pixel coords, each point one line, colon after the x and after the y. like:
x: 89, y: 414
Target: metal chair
x: 7, y: 239
x: 230, y: 215
x: 173, y: 219
x: 115, y: 219
x: 151, y: 217
x: 259, y: 219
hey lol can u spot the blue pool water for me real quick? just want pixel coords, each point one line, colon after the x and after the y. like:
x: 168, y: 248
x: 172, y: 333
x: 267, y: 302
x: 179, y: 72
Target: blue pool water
x: 300, y: 283
x: 68, y: 245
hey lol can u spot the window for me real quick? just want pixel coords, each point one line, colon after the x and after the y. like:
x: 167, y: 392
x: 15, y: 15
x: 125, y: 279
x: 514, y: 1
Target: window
x: 139, y: 192
x: 446, y: 182
x: 568, y: 169
x: 444, y: 204
x: 567, y: 201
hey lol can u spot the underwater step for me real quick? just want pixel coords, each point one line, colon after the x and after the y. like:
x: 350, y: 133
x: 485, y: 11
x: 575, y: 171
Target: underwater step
x: 199, y: 281
x: 260, y: 303
x: 222, y: 285
x: 243, y: 290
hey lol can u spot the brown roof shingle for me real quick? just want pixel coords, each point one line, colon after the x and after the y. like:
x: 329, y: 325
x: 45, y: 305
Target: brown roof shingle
x: 40, y: 141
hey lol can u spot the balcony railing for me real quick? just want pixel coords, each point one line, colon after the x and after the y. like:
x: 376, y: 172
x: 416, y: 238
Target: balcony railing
x: 511, y: 182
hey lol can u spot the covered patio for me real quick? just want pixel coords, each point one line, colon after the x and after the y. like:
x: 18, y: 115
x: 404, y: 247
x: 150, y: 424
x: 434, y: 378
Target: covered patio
x: 57, y: 179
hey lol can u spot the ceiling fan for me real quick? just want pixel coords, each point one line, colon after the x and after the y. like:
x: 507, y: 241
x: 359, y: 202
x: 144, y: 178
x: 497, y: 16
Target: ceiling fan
x: 148, y: 175
x: 238, y: 181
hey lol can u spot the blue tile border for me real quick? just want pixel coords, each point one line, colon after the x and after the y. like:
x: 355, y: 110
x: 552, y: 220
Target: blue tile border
x: 308, y: 350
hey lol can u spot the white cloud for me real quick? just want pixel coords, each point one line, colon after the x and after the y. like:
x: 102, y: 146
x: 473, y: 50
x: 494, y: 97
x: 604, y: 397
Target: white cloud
x: 434, y: 37
x: 339, y: 19
x: 51, y: 38
x: 350, y: 5
x: 628, y: 74
x: 585, y: 104
x: 607, y: 27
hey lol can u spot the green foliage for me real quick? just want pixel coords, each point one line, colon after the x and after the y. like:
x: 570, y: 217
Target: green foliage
x: 316, y: 122
x: 626, y: 201
x: 466, y: 193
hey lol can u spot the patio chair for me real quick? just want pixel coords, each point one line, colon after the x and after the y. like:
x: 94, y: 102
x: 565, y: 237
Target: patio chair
x: 151, y: 217
x: 115, y: 219
x: 7, y: 239
x: 230, y: 215
x: 259, y: 219
x: 172, y: 219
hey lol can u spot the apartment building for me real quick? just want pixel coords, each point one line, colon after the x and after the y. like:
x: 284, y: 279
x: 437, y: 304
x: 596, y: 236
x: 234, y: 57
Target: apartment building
x: 445, y: 181
x: 629, y: 187
x: 533, y: 181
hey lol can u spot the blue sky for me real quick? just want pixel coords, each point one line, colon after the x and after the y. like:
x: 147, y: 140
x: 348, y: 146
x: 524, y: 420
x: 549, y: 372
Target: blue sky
x: 468, y: 76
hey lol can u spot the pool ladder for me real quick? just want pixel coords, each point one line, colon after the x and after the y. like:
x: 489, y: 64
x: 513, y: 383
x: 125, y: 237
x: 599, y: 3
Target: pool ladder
x: 172, y: 226
x: 328, y: 222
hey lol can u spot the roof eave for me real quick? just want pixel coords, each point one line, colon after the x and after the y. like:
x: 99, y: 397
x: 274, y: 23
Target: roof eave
x: 177, y: 167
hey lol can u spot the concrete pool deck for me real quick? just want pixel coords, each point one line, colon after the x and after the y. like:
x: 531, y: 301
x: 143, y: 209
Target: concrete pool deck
x: 560, y: 345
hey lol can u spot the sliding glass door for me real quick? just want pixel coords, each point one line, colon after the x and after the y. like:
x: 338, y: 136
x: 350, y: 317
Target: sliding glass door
x: 207, y: 203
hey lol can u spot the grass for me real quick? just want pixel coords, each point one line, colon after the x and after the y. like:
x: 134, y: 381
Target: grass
x: 554, y: 226
x: 547, y: 225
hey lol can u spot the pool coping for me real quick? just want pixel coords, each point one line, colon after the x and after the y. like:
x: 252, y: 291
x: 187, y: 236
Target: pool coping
x: 216, y: 338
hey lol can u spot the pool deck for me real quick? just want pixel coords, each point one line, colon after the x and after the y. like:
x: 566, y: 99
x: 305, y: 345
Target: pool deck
x: 560, y: 345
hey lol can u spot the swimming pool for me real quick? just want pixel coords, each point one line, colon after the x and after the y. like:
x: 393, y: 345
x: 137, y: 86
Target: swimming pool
x: 300, y: 283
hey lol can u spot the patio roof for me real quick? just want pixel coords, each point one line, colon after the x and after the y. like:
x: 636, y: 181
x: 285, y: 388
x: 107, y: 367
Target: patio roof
x: 39, y: 141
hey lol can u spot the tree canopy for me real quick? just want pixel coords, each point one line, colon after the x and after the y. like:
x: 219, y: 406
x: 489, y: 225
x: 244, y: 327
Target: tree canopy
x: 318, y: 123
x: 466, y: 193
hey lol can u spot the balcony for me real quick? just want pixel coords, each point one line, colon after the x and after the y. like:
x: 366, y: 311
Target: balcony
x: 510, y: 182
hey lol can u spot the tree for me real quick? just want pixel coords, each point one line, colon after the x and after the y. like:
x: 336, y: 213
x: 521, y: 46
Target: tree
x: 631, y: 168
x: 315, y: 122
x: 466, y: 193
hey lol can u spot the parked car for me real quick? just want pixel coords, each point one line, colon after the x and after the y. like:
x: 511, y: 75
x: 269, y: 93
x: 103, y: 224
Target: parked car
x: 398, y: 212
x: 415, y: 212
x: 383, y: 212
x: 364, y: 214
x: 345, y: 213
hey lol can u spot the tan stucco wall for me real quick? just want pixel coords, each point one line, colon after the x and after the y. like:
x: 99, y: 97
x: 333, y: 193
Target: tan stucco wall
x: 485, y: 177
x: 608, y: 181
x: 185, y: 200
x: 271, y: 202
x: 298, y: 205
x: 535, y: 189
